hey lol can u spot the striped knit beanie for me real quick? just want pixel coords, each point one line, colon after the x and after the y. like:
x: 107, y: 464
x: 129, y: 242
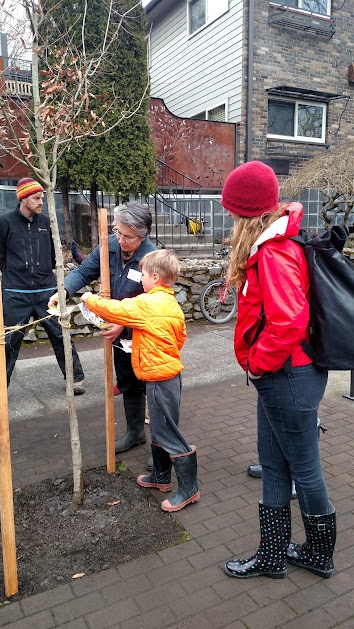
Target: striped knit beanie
x: 26, y: 187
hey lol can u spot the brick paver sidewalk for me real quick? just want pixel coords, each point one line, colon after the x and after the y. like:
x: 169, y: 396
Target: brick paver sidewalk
x: 184, y: 586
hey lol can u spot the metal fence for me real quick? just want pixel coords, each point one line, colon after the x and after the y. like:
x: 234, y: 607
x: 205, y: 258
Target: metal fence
x: 174, y: 212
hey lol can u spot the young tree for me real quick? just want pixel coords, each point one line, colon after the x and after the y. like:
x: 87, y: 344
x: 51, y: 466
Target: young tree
x: 66, y: 109
x: 333, y: 174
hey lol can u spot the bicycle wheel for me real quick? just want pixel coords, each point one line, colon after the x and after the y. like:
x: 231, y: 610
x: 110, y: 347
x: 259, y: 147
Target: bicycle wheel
x: 213, y: 307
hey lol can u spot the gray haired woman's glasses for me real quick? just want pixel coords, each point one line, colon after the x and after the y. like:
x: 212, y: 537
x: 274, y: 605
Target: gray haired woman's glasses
x: 121, y: 236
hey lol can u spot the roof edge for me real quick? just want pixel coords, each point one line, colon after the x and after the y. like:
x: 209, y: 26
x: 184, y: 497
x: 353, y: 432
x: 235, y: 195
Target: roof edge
x: 151, y: 5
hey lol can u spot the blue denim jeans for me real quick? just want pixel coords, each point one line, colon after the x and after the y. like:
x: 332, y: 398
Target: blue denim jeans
x: 287, y: 437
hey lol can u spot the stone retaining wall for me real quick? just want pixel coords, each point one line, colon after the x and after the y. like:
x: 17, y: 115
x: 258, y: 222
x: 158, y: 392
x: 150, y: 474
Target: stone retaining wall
x: 194, y: 275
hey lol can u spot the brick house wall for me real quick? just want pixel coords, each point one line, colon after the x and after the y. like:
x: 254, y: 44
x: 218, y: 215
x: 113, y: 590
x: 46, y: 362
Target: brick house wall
x: 303, y: 60
x: 11, y: 169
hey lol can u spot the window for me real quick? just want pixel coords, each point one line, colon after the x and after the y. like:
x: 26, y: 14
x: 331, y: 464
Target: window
x: 321, y: 7
x: 202, y: 12
x: 217, y: 114
x: 297, y: 120
x: 201, y: 116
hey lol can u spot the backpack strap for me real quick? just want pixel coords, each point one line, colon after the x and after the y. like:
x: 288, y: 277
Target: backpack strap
x: 261, y: 314
x: 260, y: 327
x: 288, y: 365
x: 302, y: 239
x: 307, y: 349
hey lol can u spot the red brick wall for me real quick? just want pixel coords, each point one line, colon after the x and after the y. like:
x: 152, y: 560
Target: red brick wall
x: 12, y: 169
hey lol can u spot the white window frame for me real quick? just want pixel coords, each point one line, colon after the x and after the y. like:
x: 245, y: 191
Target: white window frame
x: 303, y: 9
x: 329, y: 2
x: 301, y: 138
x: 208, y: 20
x: 207, y: 109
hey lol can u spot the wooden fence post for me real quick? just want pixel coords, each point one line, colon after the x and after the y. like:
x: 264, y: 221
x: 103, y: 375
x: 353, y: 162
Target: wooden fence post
x: 6, y: 495
x: 107, y: 345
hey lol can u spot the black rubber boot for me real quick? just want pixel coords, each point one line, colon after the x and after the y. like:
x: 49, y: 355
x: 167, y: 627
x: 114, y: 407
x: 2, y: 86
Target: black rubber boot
x: 270, y: 559
x: 150, y: 464
x: 135, y: 416
x: 316, y: 554
x: 186, y: 472
x: 160, y: 477
x: 255, y: 471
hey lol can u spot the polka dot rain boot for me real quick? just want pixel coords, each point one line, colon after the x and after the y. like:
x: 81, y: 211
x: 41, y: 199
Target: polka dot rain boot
x: 316, y: 554
x: 270, y: 559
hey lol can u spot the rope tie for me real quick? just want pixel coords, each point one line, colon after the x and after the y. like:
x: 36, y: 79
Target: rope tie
x: 17, y: 328
x: 64, y: 324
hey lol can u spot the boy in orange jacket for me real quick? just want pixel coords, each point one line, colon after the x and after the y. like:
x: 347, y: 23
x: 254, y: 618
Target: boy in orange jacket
x: 159, y: 332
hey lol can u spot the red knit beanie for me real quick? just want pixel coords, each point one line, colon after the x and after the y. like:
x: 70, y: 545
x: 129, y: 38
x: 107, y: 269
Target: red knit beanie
x: 251, y: 190
x: 26, y: 187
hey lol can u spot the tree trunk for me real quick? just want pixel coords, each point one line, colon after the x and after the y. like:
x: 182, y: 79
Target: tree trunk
x: 78, y: 477
x: 94, y: 214
x: 66, y: 214
x: 49, y: 185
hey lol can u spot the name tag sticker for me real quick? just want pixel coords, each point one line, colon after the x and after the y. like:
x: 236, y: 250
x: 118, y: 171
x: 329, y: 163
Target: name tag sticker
x: 134, y: 275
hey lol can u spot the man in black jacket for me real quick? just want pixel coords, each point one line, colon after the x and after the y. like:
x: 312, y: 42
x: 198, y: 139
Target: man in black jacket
x: 27, y: 260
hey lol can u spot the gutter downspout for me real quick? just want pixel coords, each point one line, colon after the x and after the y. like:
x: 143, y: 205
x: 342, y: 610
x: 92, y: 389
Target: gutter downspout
x: 249, y: 122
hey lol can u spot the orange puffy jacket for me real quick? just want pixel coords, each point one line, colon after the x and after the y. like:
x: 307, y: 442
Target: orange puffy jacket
x: 159, y: 330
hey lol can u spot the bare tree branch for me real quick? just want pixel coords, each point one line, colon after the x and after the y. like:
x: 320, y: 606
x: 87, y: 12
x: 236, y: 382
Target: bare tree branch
x: 333, y: 174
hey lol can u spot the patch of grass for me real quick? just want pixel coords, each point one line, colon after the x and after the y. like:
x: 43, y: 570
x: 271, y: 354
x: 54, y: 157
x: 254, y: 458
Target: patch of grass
x: 183, y: 537
x: 121, y: 469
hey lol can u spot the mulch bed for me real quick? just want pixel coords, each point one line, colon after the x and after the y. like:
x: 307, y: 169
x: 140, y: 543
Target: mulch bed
x: 119, y: 522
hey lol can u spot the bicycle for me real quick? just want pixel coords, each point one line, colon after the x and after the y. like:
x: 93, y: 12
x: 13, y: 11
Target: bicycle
x: 218, y: 301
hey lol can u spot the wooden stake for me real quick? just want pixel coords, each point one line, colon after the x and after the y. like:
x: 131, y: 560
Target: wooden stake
x: 6, y: 495
x: 108, y: 367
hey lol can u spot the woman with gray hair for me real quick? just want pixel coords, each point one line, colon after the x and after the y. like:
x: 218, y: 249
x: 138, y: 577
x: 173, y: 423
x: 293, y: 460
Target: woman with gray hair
x: 127, y: 245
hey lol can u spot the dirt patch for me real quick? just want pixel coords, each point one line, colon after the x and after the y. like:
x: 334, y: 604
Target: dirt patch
x: 119, y: 522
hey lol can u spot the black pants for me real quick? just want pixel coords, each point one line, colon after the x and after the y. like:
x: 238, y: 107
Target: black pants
x: 18, y: 309
x: 127, y: 382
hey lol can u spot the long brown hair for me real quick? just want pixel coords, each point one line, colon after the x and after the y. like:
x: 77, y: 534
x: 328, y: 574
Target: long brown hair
x: 246, y: 231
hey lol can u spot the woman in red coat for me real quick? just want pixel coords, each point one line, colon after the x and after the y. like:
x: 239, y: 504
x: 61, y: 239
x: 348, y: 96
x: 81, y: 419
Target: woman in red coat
x: 271, y: 274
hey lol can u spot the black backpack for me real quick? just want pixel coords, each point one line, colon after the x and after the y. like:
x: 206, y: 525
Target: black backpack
x: 332, y: 302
